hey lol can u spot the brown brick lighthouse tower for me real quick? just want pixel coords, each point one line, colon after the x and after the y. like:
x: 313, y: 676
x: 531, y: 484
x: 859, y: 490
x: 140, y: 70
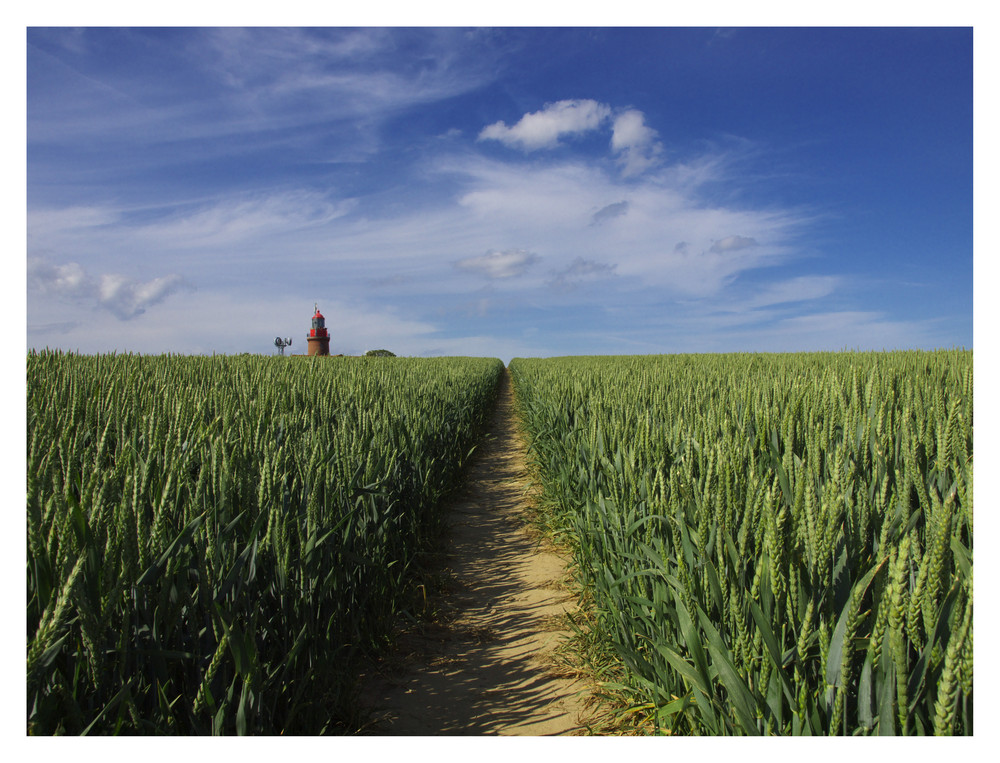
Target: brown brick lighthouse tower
x: 318, y: 339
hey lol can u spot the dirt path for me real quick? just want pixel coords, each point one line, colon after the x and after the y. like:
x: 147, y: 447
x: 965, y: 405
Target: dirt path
x: 486, y: 665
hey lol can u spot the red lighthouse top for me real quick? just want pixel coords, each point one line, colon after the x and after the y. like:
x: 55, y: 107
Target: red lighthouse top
x: 318, y: 325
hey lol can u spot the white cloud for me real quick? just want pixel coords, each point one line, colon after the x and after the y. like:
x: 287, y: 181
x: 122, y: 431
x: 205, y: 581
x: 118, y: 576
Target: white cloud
x: 124, y: 297
x: 634, y: 142
x: 418, y: 261
x: 127, y: 298
x: 542, y: 129
x: 513, y: 215
x: 493, y: 264
x: 549, y: 210
x: 732, y: 244
x: 67, y: 280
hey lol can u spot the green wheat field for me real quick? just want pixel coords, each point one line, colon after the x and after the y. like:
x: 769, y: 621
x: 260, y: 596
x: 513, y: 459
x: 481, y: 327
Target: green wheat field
x: 764, y: 544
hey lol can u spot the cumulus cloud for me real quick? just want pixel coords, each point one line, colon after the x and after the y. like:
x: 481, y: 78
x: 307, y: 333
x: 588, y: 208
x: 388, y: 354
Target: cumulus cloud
x: 634, y: 142
x: 67, y: 280
x: 124, y: 297
x: 570, y: 276
x: 542, y: 129
x: 127, y: 298
x: 732, y: 244
x: 494, y: 264
x: 610, y: 211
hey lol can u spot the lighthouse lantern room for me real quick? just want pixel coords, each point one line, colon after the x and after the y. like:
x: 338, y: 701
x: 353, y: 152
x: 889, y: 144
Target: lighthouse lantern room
x: 318, y: 341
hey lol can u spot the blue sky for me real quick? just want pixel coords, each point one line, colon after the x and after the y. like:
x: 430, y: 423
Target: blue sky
x: 500, y: 191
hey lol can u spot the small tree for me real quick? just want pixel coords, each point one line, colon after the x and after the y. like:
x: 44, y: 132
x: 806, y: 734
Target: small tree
x: 380, y: 354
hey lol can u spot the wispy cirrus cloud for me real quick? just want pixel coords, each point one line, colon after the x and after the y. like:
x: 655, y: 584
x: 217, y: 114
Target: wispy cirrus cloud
x: 569, y: 278
x: 360, y: 65
x: 233, y: 219
x: 258, y: 90
x: 793, y: 290
x: 228, y: 221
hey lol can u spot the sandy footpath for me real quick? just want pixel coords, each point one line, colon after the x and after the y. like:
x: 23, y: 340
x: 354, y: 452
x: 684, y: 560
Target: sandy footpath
x: 484, y: 665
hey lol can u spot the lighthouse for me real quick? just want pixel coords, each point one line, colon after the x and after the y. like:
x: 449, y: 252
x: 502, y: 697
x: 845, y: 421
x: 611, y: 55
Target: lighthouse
x: 318, y: 340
